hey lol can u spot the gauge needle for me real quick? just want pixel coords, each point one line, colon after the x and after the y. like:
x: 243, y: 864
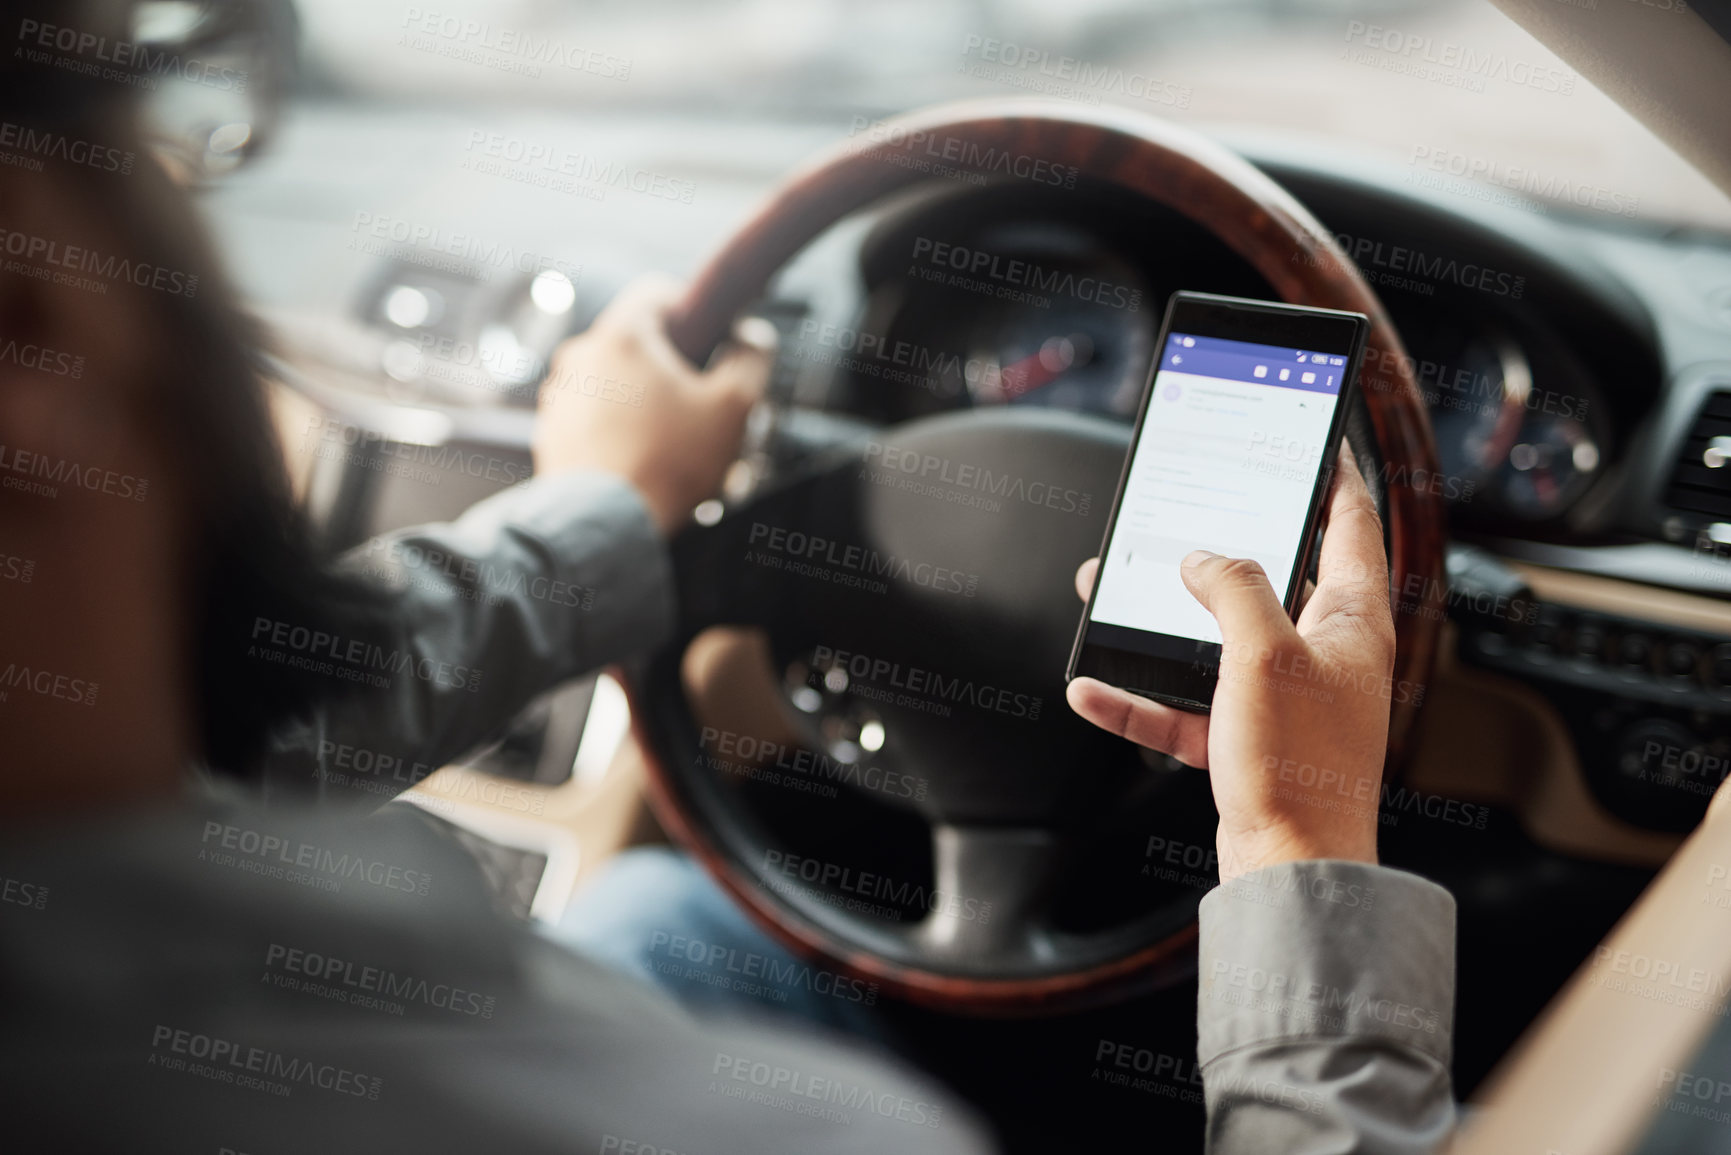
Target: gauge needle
x: 1511, y: 418
x: 1025, y: 375
x: 1029, y: 373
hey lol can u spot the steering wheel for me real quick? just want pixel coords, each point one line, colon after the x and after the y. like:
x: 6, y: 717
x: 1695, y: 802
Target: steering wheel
x: 941, y: 628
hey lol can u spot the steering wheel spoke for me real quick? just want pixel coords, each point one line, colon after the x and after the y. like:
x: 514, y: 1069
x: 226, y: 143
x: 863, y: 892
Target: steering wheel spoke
x: 992, y: 894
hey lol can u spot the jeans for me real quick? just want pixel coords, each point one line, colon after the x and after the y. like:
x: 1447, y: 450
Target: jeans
x: 654, y: 913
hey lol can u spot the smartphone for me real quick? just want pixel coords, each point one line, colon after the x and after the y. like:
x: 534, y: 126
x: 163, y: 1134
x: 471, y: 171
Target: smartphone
x: 1235, y: 444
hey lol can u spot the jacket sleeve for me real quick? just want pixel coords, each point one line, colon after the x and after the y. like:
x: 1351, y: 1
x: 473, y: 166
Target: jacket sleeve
x: 1325, y: 1011
x: 544, y: 582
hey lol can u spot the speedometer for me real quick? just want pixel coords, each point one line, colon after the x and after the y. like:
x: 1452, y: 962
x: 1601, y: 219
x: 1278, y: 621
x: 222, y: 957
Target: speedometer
x: 1548, y: 466
x: 1069, y: 355
x: 1026, y: 315
x: 1515, y: 424
x: 1471, y: 409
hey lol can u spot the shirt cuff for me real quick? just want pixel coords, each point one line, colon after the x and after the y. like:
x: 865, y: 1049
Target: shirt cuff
x: 1326, y: 949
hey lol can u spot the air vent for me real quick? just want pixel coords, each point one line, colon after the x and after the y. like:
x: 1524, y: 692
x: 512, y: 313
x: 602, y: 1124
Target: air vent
x: 1701, y: 481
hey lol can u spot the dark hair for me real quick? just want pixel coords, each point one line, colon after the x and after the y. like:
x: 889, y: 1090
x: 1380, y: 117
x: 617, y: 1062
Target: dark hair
x: 253, y: 552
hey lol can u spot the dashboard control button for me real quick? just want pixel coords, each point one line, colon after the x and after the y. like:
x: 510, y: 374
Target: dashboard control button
x: 1545, y: 631
x: 1635, y: 649
x: 1665, y: 773
x: 1681, y: 659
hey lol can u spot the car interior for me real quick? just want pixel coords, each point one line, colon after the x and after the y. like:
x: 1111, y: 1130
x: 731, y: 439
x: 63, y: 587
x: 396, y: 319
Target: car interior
x: 964, y: 222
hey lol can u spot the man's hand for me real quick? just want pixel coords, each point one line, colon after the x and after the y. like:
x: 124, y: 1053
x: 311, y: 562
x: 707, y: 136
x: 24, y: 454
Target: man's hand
x: 619, y: 397
x: 1296, y: 740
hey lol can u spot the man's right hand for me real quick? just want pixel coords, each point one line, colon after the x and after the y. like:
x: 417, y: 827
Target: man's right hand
x: 1299, y: 729
x: 620, y: 398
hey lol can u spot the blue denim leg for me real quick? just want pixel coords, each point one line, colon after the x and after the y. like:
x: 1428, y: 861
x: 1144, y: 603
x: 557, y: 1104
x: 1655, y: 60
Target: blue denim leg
x: 654, y: 913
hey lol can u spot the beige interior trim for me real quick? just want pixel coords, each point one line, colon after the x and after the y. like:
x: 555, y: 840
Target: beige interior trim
x: 1490, y: 739
x: 1663, y: 607
x: 293, y: 414
x: 1584, y: 1079
x: 1658, y: 59
x: 605, y: 817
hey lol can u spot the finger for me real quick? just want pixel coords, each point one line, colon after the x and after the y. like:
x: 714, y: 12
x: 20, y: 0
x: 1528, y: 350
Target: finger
x: 757, y: 333
x: 566, y: 354
x: 1085, y: 574
x: 739, y: 373
x: 1158, y: 727
x: 1352, y: 569
x: 639, y: 311
x: 571, y: 364
x: 1352, y: 557
x: 1237, y: 593
x: 646, y: 328
x: 645, y: 297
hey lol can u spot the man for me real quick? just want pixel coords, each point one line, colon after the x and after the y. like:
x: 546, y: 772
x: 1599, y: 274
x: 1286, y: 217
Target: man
x: 196, y: 959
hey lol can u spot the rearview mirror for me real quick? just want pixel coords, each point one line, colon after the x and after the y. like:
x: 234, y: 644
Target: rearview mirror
x: 215, y: 74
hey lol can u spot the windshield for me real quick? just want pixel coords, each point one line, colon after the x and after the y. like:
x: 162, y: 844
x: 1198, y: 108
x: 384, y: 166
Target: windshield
x: 1466, y: 100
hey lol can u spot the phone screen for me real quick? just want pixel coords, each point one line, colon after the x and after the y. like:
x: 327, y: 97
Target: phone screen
x: 1229, y: 454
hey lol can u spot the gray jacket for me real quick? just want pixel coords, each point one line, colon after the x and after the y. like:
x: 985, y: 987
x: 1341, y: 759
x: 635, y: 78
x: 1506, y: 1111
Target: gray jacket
x: 221, y: 976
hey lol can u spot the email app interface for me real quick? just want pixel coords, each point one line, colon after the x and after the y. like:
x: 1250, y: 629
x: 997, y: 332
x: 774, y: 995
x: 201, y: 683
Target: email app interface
x: 1228, y: 457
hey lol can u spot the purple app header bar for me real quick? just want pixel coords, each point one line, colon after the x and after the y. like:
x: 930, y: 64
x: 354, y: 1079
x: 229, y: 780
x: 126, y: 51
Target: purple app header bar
x: 1255, y: 364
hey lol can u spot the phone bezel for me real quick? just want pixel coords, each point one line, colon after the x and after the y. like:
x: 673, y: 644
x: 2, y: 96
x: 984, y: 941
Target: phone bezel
x: 1189, y: 685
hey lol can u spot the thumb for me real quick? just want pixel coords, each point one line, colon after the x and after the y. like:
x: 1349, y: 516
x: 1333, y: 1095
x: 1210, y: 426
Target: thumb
x: 1237, y: 593
x: 739, y: 372
x: 1085, y: 575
